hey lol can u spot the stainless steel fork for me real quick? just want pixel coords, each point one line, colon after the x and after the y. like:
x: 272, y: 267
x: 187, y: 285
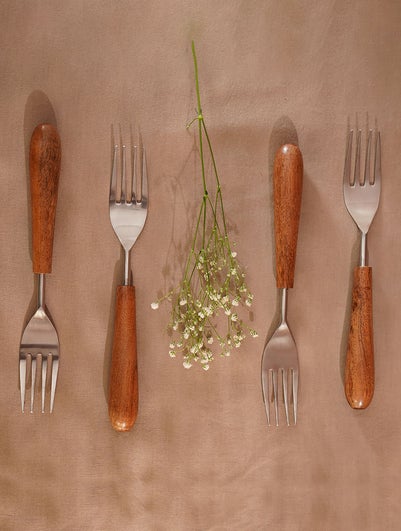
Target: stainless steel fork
x: 361, y: 197
x: 280, y: 365
x: 39, y: 342
x: 128, y: 203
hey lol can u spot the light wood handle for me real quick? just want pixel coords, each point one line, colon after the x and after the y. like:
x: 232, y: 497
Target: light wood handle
x: 359, y: 366
x: 44, y: 169
x: 123, y: 390
x: 288, y: 176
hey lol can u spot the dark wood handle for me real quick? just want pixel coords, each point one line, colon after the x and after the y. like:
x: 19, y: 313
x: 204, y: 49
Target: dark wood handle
x: 123, y: 390
x: 288, y: 176
x: 44, y: 169
x: 359, y: 366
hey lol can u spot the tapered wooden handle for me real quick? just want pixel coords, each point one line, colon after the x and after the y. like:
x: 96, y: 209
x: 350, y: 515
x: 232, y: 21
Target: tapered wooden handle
x: 123, y: 390
x: 359, y: 366
x: 44, y: 169
x: 288, y: 176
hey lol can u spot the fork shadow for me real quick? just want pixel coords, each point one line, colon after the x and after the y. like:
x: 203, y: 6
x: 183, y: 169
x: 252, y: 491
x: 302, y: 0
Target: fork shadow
x: 347, y: 314
x: 118, y: 275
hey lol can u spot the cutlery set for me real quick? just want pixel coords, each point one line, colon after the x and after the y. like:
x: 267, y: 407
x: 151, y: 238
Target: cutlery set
x: 128, y: 206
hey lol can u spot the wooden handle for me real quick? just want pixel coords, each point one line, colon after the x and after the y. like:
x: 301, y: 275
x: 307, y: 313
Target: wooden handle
x: 44, y: 169
x: 123, y: 390
x: 288, y: 175
x: 359, y: 366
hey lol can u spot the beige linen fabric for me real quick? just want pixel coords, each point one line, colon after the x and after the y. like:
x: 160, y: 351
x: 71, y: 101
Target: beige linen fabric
x: 200, y: 456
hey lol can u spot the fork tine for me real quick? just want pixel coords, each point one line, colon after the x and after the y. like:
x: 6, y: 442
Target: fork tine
x: 284, y: 373
x: 275, y: 397
x: 347, y: 164
x: 123, y: 176
x: 33, y: 382
x: 357, y: 167
x: 377, y: 166
x: 44, y: 378
x: 295, y: 392
x: 22, y: 381
x: 113, y: 178
x: 54, y: 382
x: 144, y: 180
x: 134, y: 179
x: 266, y: 393
x: 366, y: 174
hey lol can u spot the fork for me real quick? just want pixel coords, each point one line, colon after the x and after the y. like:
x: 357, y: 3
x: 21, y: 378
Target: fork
x: 128, y: 204
x: 361, y: 197
x: 39, y: 342
x: 280, y: 354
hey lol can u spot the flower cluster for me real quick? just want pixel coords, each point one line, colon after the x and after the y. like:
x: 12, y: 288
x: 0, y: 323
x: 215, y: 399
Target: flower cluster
x: 213, y: 289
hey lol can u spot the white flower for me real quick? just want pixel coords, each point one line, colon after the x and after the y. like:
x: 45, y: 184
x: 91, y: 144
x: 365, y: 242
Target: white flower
x: 205, y: 367
x: 227, y: 353
x: 227, y: 311
x: 183, y: 302
x: 172, y: 345
x: 204, y: 360
x: 234, y: 254
x: 175, y: 326
x: 201, y: 315
x: 172, y: 353
x: 225, y: 299
x: 186, y: 334
x: 234, y: 317
x: 253, y: 333
x: 233, y: 271
x: 187, y: 364
x: 248, y: 302
x: 235, y: 302
x: 210, y: 340
x: 154, y: 305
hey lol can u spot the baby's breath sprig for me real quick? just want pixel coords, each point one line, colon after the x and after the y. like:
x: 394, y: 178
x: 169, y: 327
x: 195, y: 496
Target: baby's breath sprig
x: 213, y: 287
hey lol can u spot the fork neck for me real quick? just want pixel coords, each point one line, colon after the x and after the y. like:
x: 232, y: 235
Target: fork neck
x: 127, y: 268
x: 364, y: 250
x: 284, y: 292
x: 41, y: 290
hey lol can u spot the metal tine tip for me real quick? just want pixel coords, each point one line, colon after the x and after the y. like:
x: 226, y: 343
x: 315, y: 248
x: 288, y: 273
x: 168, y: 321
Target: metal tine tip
x: 22, y: 381
x: 33, y: 382
x: 44, y: 381
x: 144, y: 180
x: 377, y: 163
x: 113, y: 177
x: 348, y: 158
x: 53, y: 383
x: 275, y: 395
x: 295, y: 393
x: 266, y: 393
x: 284, y: 374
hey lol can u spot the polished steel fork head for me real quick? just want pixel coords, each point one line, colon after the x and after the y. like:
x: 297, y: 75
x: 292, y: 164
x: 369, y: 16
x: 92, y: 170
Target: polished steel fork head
x: 362, y: 191
x: 280, y: 369
x: 39, y: 351
x: 128, y: 198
